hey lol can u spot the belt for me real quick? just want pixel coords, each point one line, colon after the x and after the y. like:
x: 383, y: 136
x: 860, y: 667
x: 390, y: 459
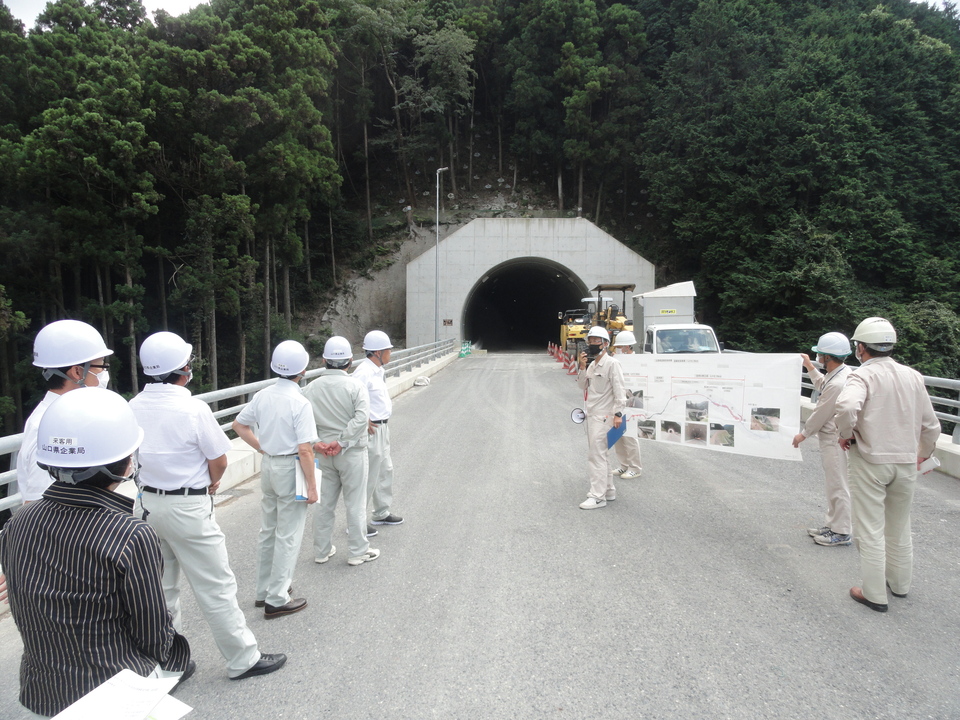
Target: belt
x: 379, y: 422
x: 178, y: 491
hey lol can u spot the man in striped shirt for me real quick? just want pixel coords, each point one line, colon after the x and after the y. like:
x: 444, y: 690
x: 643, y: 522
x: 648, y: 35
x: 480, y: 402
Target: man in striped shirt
x: 83, y: 574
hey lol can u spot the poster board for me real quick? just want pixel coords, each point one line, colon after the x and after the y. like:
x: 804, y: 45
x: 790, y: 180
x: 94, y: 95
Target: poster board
x: 746, y: 404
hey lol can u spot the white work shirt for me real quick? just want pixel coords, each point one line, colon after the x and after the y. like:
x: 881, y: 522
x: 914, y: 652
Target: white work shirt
x: 180, y: 435
x: 32, y: 480
x: 374, y: 377
x: 284, y: 417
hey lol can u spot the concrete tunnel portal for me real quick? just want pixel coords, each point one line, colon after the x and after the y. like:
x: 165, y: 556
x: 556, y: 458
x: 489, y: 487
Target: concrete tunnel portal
x: 514, y: 306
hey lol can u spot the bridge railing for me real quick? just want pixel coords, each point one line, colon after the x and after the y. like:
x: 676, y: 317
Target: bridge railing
x: 237, y: 397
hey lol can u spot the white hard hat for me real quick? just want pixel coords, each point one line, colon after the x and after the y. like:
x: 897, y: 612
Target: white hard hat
x: 164, y: 352
x: 376, y: 340
x: 337, y: 348
x: 597, y: 331
x: 625, y: 338
x: 289, y: 358
x: 66, y: 343
x: 876, y: 333
x: 88, y: 428
x: 833, y: 343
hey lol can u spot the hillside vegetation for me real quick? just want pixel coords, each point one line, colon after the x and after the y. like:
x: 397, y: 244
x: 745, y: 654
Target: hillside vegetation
x: 218, y: 173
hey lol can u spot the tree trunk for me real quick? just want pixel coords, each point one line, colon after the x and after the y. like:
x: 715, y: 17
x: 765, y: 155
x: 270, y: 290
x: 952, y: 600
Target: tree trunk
x: 596, y: 215
x: 580, y: 190
x: 162, y: 289
x: 560, y: 188
x: 306, y: 249
x: 453, y: 161
x: 287, y: 311
x: 266, y: 309
x: 131, y: 331
x: 241, y: 333
x: 333, y: 257
x: 366, y: 172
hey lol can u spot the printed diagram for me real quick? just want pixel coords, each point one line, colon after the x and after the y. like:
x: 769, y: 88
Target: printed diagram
x: 748, y: 403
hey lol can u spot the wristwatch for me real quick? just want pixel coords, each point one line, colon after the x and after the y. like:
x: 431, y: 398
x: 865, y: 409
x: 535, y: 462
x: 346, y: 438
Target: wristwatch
x: 619, y: 414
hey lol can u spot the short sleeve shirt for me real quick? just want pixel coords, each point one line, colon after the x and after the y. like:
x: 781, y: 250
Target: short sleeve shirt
x: 283, y: 416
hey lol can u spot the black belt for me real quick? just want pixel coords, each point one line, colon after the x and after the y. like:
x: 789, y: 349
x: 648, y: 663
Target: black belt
x: 379, y: 422
x: 178, y: 491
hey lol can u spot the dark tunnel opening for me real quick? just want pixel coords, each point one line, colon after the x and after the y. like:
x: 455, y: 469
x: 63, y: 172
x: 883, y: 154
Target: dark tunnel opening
x: 515, y: 305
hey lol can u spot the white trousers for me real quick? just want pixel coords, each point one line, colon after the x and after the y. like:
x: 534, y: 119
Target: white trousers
x: 835, y: 483
x: 345, y: 472
x: 282, y: 518
x: 379, y: 472
x: 191, y: 541
x: 882, y: 498
x: 598, y: 462
x: 628, y: 452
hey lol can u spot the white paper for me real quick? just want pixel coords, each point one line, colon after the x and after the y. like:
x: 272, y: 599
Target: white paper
x: 126, y: 696
x: 747, y: 404
x: 302, y: 480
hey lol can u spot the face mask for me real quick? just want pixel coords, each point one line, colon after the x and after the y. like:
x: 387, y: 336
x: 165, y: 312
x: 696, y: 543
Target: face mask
x: 103, y: 379
x: 594, y: 350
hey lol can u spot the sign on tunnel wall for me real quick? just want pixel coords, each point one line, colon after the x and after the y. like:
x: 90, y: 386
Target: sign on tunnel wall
x: 744, y: 404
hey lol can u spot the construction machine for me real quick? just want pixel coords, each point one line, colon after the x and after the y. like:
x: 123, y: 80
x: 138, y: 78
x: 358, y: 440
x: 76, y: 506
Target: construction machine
x: 609, y: 315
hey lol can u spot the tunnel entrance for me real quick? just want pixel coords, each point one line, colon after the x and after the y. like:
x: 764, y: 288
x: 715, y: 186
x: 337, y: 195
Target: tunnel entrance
x: 514, y: 306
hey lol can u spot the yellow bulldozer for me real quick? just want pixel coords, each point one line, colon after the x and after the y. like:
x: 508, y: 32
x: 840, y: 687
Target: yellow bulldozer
x: 608, y: 315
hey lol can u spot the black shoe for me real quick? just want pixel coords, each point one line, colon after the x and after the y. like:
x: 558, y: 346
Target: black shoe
x: 261, y: 603
x: 388, y: 520
x: 857, y: 594
x: 264, y: 666
x: 187, y: 674
x: 899, y: 595
x: 294, y: 606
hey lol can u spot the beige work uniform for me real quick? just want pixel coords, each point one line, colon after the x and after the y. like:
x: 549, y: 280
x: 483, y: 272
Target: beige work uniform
x: 602, y: 382
x: 821, y: 424
x: 886, y: 409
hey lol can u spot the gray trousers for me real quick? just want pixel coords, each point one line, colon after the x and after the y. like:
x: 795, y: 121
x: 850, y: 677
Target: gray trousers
x: 282, y: 518
x: 345, y: 472
x: 191, y: 541
x: 379, y: 472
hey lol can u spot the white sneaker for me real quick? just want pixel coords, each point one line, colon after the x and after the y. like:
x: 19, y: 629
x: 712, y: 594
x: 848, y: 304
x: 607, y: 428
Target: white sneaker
x: 619, y: 471
x: 322, y: 560
x: 629, y: 475
x: 370, y: 555
x: 611, y: 495
x: 592, y: 503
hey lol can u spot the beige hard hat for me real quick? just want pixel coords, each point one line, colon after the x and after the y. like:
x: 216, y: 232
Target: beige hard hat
x: 876, y: 333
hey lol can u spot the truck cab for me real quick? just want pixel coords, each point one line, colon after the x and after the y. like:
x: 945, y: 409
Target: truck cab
x: 689, y: 338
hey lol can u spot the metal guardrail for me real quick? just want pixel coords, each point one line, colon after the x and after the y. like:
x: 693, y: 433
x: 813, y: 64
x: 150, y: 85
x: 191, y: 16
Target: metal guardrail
x: 400, y: 361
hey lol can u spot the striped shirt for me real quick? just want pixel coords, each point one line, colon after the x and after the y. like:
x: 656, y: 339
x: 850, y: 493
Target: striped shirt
x: 83, y: 577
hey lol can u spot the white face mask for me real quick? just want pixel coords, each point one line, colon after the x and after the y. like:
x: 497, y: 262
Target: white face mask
x: 103, y: 379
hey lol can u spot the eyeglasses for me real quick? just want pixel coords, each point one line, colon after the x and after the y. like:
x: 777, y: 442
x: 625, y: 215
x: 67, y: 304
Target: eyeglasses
x: 105, y: 366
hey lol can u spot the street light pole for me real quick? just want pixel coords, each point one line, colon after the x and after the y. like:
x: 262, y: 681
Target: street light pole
x: 436, y: 284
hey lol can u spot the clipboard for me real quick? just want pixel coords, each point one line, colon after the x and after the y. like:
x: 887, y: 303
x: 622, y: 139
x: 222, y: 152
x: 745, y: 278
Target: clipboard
x: 615, y: 433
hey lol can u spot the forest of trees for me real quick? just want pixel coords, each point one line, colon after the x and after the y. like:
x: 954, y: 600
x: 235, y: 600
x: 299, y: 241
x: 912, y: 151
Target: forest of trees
x: 800, y: 160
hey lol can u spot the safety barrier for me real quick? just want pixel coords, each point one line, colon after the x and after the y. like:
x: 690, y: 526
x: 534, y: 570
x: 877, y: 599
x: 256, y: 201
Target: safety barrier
x: 400, y: 361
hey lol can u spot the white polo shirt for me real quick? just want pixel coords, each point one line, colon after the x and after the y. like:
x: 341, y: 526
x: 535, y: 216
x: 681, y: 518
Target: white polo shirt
x: 180, y: 435
x: 374, y: 377
x: 283, y: 416
x: 32, y: 480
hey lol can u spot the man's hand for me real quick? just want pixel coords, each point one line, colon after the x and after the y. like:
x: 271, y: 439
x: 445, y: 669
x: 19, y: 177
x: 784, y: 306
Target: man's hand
x: 806, y: 363
x: 583, y: 361
x: 797, y: 439
x: 845, y: 443
x: 212, y: 487
x: 617, y: 421
x: 312, y: 495
x: 3, y: 588
x: 371, y: 428
x: 327, y: 449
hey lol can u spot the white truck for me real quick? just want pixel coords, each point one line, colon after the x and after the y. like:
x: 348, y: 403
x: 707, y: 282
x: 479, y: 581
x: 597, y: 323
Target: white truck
x: 666, y: 315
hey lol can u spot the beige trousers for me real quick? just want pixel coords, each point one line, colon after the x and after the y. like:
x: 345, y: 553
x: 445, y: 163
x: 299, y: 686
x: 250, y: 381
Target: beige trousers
x: 882, y: 497
x: 598, y: 463
x: 628, y: 452
x: 835, y: 484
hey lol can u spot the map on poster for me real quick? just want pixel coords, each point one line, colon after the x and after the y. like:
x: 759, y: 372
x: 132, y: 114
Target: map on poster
x: 748, y: 404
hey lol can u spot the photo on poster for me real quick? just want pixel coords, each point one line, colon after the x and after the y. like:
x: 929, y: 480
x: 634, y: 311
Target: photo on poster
x: 721, y: 435
x: 697, y: 410
x: 765, y: 419
x: 670, y: 431
x: 695, y: 434
x: 635, y: 399
x: 647, y: 429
